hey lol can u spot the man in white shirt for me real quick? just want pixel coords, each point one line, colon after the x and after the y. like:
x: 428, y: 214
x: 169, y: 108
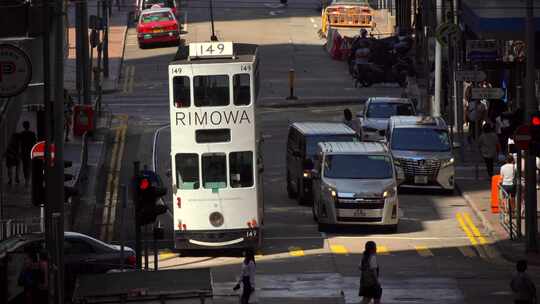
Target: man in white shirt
x: 508, y: 173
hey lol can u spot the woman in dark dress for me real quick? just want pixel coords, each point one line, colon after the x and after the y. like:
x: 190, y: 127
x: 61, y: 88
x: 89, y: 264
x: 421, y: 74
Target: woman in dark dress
x: 370, y: 287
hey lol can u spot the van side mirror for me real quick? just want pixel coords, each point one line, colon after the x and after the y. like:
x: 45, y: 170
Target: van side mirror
x: 315, y: 174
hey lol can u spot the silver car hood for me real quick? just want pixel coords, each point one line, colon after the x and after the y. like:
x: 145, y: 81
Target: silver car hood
x: 362, y: 187
x: 421, y: 154
x: 375, y: 123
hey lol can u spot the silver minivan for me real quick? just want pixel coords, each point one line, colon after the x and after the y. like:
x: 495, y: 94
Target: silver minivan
x: 355, y: 183
x: 422, y: 152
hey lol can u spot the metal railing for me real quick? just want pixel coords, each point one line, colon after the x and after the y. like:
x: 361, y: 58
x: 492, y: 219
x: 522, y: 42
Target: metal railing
x: 12, y: 227
x: 510, y: 217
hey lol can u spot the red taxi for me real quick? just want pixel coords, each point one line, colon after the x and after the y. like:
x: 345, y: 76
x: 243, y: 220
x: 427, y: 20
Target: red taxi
x: 157, y: 25
x: 148, y: 4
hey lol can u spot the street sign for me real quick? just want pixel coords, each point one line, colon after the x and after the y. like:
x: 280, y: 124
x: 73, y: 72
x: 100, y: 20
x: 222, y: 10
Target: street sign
x: 15, y: 70
x: 487, y: 93
x: 38, y: 150
x: 522, y: 137
x: 470, y: 75
x: 483, y: 50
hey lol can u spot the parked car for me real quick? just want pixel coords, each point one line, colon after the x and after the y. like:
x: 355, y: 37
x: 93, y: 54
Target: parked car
x: 82, y: 255
x: 157, y: 25
x: 371, y: 123
x: 301, y: 149
x: 422, y: 152
x: 354, y: 183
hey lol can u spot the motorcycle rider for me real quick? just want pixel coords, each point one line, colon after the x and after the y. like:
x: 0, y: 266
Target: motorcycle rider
x: 360, y: 51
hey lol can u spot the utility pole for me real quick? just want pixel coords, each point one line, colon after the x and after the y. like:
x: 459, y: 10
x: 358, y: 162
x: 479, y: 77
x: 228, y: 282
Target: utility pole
x: 436, y: 106
x: 105, y: 16
x: 78, y: 49
x: 531, y: 106
x: 85, y: 56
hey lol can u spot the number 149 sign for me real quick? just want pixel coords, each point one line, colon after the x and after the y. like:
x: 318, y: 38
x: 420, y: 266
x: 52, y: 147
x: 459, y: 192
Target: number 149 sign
x: 210, y: 49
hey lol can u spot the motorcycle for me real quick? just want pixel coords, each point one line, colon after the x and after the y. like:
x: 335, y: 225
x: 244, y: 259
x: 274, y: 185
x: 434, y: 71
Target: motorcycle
x: 369, y: 74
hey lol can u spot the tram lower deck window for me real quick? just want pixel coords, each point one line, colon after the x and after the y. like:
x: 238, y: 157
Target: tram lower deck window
x: 214, y: 170
x: 187, y: 170
x: 241, y: 169
x: 181, y: 92
x: 211, y: 90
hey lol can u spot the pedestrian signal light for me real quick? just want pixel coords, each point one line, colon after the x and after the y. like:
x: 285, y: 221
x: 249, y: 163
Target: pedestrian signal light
x: 144, y: 184
x: 535, y: 121
x: 535, y: 134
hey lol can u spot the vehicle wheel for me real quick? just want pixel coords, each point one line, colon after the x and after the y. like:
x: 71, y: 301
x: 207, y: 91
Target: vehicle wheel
x: 142, y: 46
x: 392, y: 228
x: 323, y: 227
x: 290, y: 191
x: 448, y: 192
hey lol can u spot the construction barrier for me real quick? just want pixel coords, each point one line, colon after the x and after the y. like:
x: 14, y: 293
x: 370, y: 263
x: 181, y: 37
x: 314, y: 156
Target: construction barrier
x: 495, y: 181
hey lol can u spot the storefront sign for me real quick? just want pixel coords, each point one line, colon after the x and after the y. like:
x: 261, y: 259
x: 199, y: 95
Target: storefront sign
x: 15, y: 70
x: 483, y: 50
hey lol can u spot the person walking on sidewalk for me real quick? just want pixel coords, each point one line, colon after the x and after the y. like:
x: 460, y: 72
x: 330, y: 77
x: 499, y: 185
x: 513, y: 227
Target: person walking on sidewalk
x: 488, y: 143
x: 247, y: 277
x: 522, y: 285
x: 370, y: 287
x: 508, y: 173
x: 12, y: 158
x: 27, y: 141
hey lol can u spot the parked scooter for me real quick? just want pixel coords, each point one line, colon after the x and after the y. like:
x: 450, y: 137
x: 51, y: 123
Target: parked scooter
x: 368, y: 74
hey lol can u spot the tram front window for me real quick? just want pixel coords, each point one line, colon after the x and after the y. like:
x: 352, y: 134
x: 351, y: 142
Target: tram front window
x: 241, y: 169
x: 211, y: 90
x: 241, y: 87
x: 187, y: 170
x: 181, y: 92
x: 214, y: 170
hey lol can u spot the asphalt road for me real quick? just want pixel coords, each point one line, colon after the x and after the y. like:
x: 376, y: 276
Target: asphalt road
x: 438, y: 255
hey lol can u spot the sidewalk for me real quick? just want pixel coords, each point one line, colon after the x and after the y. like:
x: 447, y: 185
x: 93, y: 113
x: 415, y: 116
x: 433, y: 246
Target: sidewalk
x: 87, y: 165
x: 477, y: 192
x: 117, y: 34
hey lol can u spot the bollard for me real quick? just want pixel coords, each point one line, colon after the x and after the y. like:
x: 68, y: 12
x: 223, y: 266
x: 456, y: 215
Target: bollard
x: 291, y: 85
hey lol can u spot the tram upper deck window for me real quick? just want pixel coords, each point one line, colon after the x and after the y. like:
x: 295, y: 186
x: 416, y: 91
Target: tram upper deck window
x: 241, y: 89
x: 241, y: 169
x: 214, y: 170
x: 181, y: 92
x: 187, y: 170
x: 211, y: 90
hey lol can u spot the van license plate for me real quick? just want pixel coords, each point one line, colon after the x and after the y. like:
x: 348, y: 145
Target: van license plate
x: 360, y: 212
x: 420, y: 179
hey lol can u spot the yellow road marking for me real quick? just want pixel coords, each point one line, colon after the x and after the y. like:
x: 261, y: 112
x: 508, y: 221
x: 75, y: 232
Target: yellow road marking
x: 466, y: 229
x: 423, y: 251
x: 474, y: 229
x: 382, y: 250
x: 296, y: 251
x: 467, y: 251
x: 106, y: 208
x: 338, y: 249
x: 114, y: 198
x: 259, y: 253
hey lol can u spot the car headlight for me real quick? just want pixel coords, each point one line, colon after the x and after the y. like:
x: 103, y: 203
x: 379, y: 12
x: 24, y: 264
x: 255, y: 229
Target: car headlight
x: 397, y: 162
x: 447, y: 162
x: 390, y: 192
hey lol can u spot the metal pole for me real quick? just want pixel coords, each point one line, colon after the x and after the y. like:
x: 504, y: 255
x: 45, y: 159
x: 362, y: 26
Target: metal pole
x: 85, y: 63
x: 123, y: 188
x: 436, y: 107
x: 78, y: 48
x: 519, y: 190
x: 532, y: 105
x: 105, y: 17
x: 213, y: 37
x: 136, y: 167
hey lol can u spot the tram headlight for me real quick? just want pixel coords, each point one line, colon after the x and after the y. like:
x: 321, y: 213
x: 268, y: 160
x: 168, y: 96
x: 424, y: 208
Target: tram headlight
x: 216, y: 219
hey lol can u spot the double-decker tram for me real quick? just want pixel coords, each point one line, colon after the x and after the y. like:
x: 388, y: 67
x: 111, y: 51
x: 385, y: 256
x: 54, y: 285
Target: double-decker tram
x: 215, y: 149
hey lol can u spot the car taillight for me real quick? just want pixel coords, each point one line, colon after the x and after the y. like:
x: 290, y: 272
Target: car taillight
x: 131, y: 260
x: 144, y: 30
x: 171, y: 28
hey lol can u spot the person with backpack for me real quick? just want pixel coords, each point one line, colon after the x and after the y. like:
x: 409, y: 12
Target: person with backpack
x: 370, y: 286
x: 247, y: 277
x: 522, y: 285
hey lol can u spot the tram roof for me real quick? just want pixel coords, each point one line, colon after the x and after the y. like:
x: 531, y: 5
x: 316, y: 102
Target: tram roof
x: 243, y: 52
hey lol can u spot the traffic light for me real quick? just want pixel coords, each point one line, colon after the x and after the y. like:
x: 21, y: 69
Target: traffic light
x: 148, y: 188
x: 38, y: 182
x: 535, y: 133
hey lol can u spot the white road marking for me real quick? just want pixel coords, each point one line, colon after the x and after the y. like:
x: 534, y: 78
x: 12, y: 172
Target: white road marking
x: 312, y: 20
x: 314, y: 25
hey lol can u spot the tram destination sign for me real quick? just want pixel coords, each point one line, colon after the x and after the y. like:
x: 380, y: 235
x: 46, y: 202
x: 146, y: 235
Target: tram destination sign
x: 212, y: 118
x: 211, y: 50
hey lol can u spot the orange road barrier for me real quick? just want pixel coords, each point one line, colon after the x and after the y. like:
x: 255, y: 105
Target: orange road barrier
x: 495, y: 181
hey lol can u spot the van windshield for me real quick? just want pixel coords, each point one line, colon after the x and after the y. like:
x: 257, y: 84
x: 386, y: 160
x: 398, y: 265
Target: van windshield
x: 387, y: 109
x: 313, y: 140
x: 343, y: 166
x: 420, y: 139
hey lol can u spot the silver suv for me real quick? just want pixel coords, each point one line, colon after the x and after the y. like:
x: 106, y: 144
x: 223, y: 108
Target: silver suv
x: 354, y: 183
x: 422, y: 152
x: 371, y: 123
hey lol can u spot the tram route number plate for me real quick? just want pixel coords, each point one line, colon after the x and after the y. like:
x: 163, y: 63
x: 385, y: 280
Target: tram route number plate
x: 211, y: 49
x: 251, y: 233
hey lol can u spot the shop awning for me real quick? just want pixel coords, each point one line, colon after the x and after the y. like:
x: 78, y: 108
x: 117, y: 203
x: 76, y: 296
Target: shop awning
x: 498, y: 19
